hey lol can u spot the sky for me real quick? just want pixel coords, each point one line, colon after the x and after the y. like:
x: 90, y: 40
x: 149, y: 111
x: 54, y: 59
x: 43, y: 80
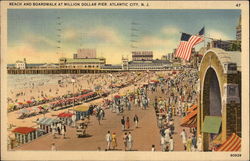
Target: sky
x: 33, y: 33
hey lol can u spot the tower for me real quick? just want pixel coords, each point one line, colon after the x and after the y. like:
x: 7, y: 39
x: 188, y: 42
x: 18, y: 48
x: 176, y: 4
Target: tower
x: 238, y: 30
x: 124, y: 63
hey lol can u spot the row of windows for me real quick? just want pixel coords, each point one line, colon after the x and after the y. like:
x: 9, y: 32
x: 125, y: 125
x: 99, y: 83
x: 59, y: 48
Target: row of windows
x: 85, y: 66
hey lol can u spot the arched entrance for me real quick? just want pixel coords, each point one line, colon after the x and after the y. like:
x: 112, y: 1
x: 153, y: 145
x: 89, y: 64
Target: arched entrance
x: 220, y: 107
x: 212, y: 103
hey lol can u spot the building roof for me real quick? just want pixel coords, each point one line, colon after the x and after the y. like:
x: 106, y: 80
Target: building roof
x: 71, y: 60
x: 47, y: 121
x: 111, y: 66
x: 34, y: 65
x: 24, y: 130
x: 150, y: 62
x: 10, y: 65
x: 63, y: 114
x: 49, y: 65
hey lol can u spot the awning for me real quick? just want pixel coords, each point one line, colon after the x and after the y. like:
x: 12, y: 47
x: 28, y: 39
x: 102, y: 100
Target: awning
x: 190, y: 120
x: 82, y: 108
x: 233, y: 143
x: 47, y: 121
x: 63, y: 114
x: 24, y: 130
x: 212, y: 124
x: 192, y: 108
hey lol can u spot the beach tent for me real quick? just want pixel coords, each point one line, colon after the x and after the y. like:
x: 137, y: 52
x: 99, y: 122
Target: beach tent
x: 117, y: 96
x: 82, y: 111
x: 45, y: 123
x: 11, y: 107
x: 25, y: 134
x: 65, y: 117
x: 29, y: 102
x: 98, y: 87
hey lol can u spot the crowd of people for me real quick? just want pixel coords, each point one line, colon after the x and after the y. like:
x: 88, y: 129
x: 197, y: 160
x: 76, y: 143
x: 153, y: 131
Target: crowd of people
x: 178, y: 93
x: 58, y: 129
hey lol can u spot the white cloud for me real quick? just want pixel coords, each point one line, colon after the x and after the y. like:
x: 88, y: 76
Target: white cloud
x: 38, y: 39
x: 105, y: 34
x: 217, y: 35
x: 170, y: 30
x: 33, y: 55
x: 70, y: 34
x: 156, y: 42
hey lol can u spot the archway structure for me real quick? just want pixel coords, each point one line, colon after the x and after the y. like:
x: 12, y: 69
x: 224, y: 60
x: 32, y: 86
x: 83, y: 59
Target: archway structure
x: 219, y: 96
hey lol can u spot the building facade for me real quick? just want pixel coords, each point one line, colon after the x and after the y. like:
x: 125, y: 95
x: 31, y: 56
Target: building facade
x: 89, y: 63
x: 21, y: 64
x: 142, y: 55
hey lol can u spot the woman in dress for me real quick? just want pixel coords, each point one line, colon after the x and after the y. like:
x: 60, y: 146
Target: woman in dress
x: 125, y: 141
x: 127, y: 123
x: 114, y: 141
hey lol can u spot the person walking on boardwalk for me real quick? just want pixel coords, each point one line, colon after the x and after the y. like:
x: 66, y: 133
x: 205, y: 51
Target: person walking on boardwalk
x: 199, y: 143
x: 73, y: 118
x: 136, y: 120
x: 53, y: 147
x: 127, y: 123
x: 114, y: 141
x: 125, y: 141
x: 63, y: 131
x: 53, y: 127
x: 171, y: 144
x: 189, y: 144
x: 194, y: 143
x: 153, y: 148
x: 59, y: 129
x: 184, y: 138
x: 163, y: 144
x: 130, y: 141
x: 123, y: 123
x: 108, y: 140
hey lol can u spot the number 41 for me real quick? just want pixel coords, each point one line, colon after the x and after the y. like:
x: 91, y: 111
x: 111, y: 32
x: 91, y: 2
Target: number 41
x: 238, y: 5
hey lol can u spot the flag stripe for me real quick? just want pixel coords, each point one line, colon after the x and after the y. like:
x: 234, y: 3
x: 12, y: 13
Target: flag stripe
x: 185, y: 48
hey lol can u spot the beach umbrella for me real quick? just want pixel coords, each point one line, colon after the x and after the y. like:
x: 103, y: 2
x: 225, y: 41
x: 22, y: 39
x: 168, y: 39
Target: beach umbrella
x: 117, y: 96
x: 45, y: 106
x: 98, y: 87
x: 29, y: 101
x: 36, y: 109
x: 10, y: 106
x: 24, y: 110
x: 82, y: 108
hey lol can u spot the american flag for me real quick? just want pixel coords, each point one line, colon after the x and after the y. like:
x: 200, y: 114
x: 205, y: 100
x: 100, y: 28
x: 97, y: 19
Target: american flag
x: 187, y: 43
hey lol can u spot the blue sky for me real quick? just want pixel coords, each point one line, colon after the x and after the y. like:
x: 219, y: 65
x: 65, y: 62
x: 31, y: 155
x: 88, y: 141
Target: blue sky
x: 33, y: 33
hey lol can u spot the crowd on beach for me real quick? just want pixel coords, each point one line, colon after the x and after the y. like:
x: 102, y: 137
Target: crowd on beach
x: 178, y: 92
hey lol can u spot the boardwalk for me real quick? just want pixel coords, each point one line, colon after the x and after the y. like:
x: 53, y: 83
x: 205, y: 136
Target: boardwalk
x: 144, y: 137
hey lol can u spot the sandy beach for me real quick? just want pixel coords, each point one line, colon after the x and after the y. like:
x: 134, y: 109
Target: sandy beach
x: 87, y: 81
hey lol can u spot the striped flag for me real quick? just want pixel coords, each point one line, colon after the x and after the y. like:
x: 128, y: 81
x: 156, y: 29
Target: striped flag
x: 187, y: 43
